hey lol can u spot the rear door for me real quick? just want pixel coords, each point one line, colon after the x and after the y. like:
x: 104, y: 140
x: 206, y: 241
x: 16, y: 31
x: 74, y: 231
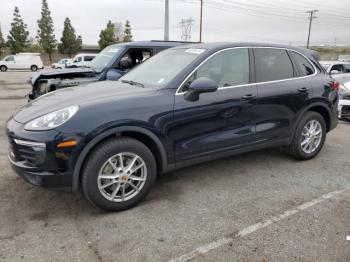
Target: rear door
x: 282, y: 92
x: 221, y: 120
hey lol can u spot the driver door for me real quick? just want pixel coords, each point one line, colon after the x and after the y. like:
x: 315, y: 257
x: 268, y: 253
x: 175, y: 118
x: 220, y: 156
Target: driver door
x: 221, y: 120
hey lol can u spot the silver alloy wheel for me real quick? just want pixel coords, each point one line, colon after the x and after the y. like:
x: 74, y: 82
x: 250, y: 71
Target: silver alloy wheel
x: 122, y: 177
x: 311, y: 136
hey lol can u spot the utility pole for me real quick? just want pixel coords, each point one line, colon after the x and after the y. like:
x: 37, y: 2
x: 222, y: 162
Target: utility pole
x: 166, y: 21
x: 201, y: 22
x: 311, y: 12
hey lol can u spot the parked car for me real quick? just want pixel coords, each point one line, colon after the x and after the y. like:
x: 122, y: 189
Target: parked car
x: 336, y: 67
x: 111, y: 63
x: 344, y: 58
x: 30, y: 61
x: 61, y: 63
x: 344, y: 102
x: 81, y: 60
x: 185, y: 105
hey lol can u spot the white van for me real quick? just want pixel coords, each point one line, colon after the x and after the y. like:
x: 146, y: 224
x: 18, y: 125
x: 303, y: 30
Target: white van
x: 81, y: 60
x: 30, y: 61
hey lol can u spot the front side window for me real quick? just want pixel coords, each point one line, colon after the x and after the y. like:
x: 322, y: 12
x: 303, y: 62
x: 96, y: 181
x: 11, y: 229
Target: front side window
x: 227, y: 68
x: 272, y: 64
x: 78, y: 59
x: 10, y: 59
x: 305, y: 66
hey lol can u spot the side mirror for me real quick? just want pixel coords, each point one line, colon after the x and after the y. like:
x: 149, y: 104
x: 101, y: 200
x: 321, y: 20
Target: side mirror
x: 334, y: 72
x: 200, y: 85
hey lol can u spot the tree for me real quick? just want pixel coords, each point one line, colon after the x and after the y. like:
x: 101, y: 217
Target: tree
x: 17, y: 40
x: 70, y: 43
x: 46, y: 35
x: 2, y: 42
x: 127, y: 32
x: 107, y: 36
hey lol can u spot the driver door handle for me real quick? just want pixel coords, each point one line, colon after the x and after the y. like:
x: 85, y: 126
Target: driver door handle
x: 303, y: 89
x: 248, y: 97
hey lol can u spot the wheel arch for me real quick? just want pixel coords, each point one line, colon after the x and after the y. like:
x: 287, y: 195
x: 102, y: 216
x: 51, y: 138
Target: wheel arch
x: 141, y: 134
x: 320, y: 107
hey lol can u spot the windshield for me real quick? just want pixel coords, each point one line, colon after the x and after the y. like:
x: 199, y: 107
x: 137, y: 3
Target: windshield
x: 103, y: 59
x: 162, y: 68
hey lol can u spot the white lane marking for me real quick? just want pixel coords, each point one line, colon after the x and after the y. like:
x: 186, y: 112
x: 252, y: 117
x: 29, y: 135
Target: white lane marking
x: 250, y: 229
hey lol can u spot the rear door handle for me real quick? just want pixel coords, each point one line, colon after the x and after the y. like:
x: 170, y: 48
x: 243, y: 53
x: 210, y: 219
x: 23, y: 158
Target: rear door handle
x: 248, y: 97
x: 303, y: 89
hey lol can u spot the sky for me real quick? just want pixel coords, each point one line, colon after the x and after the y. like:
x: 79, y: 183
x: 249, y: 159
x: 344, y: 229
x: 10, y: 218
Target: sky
x: 273, y: 21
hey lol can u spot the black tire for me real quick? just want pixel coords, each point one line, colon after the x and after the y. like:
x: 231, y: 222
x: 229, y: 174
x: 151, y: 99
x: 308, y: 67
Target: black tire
x: 296, y: 148
x: 3, y: 68
x: 100, y: 155
x: 34, y: 68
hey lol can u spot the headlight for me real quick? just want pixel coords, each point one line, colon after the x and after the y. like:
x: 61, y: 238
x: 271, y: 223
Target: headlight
x: 52, y: 120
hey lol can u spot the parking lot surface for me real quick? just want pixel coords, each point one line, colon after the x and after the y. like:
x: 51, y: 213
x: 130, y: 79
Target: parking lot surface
x: 260, y: 206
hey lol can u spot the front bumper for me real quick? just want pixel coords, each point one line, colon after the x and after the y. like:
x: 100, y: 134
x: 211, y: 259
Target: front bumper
x: 35, y: 157
x: 37, y: 177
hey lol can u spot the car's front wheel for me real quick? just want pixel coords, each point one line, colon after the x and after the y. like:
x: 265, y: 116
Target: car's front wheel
x: 309, y: 137
x: 118, y: 174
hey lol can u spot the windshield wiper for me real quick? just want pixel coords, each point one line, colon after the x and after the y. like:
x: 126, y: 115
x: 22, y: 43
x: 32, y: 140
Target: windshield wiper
x: 130, y: 82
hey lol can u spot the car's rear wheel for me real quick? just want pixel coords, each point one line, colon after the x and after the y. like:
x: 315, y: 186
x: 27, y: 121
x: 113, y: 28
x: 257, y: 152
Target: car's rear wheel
x: 34, y: 68
x: 3, y: 68
x: 118, y: 174
x: 309, y: 137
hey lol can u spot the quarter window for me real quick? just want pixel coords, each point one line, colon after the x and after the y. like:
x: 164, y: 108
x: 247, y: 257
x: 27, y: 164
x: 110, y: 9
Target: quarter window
x: 272, y: 64
x: 305, y: 66
x: 227, y: 68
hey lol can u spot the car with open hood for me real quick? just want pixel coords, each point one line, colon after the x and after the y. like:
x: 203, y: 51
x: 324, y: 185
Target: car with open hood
x: 110, y: 64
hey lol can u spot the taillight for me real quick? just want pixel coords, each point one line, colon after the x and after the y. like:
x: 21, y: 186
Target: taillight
x: 335, y: 85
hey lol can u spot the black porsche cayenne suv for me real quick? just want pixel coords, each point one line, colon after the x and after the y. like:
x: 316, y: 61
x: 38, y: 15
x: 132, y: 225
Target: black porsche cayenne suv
x: 183, y: 106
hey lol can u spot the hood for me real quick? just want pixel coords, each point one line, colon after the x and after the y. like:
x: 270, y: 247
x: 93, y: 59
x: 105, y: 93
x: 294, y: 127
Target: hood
x: 90, y: 94
x: 57, y: 72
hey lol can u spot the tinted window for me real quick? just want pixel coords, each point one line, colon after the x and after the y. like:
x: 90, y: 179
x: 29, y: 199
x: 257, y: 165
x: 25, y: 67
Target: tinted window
x: 304, y: 66
x: 227, y: 68
x: 338, y: 68
x: 346, y: 68
x: 88, y: 58
x: 272, y: 64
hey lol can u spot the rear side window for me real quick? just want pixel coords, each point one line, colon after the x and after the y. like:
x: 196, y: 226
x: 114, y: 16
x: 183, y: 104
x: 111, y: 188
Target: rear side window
x: 304, y: 66
x: 88, y: 58
x: 272, y: 64
x: 346, y: 68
